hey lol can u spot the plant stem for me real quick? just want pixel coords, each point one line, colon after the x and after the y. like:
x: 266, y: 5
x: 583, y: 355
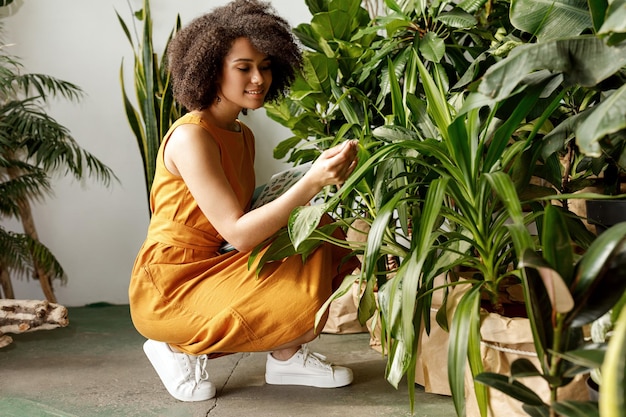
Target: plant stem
x: 555, y: 360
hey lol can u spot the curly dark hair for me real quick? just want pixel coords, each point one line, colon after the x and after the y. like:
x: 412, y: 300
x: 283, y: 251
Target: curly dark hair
x: 195, y: 55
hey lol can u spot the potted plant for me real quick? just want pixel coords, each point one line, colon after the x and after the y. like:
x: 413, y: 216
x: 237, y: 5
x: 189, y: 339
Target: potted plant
x: 445, y: 189
x: 156, y: 108
x: 33, y: 146
x: 564, y: 292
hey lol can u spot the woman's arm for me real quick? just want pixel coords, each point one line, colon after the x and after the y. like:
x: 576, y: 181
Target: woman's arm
x: 193, y: 154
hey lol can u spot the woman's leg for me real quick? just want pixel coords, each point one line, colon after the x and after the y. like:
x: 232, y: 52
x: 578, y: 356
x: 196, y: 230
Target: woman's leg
x: 286, y: 351
x: 292, y: 364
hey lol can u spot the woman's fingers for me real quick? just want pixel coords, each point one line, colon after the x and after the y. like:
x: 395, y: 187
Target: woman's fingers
x: 337, y: 163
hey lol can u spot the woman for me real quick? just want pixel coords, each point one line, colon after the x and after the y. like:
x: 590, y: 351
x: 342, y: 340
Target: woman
x: 191, y: 301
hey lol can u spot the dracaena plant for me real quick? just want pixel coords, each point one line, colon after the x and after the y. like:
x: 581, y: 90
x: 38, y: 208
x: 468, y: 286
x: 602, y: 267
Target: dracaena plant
x: 359, y: 84
x: 444, y: 180
x: 465, y: 212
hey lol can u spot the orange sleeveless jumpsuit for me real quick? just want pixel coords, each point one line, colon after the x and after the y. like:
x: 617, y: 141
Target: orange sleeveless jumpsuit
x: 184, y: 292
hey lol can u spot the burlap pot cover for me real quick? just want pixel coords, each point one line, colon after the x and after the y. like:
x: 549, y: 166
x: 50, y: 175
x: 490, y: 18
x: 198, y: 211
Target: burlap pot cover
x: 343, y: 314
x: 503, y: 341
x: 431, y: 367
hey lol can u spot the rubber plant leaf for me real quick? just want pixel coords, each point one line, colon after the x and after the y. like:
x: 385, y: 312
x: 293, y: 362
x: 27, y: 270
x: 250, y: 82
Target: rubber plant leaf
x: 512, y: 388
x: 600, y: 276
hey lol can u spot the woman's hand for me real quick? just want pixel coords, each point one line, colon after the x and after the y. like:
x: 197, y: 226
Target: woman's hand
x: 335, y: 165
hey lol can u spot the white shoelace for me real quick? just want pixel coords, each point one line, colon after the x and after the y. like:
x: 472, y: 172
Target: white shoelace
x: 315, y: 359
x: 201, y: 373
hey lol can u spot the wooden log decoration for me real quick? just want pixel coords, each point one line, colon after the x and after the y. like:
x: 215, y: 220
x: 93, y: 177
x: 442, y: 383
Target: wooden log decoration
x: 21, y: 316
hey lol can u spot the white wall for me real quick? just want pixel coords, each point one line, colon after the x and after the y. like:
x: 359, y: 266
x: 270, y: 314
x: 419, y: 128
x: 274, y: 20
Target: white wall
x: 94, y: 231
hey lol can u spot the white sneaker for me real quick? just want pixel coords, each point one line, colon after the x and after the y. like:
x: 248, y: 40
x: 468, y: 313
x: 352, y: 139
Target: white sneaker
x: 306, y: 368
x: 185, y: 376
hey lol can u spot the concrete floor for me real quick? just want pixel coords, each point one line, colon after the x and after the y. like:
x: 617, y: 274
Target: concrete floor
x: 96, y: 367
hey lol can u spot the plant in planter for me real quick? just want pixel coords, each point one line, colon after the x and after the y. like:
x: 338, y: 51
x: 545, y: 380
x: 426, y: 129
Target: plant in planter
x: 471, y: 189
x: 33, y: 146
x: 415, y: 164
x: 156, y: 108
x: 564, y: 292
x: 454, y: 177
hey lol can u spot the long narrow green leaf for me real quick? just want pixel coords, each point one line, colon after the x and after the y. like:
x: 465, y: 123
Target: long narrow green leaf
x: 437, y: 106
x: 465, y: 318
x: 376, y: 235
x: 613, y: 398
x: 504, y: 187
x: 556, y: 243
x: 397, y: 103
x: 513, y: 389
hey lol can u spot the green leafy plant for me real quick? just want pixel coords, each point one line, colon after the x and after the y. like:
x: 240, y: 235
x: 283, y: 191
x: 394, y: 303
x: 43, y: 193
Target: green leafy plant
x: 564, y: 292
x: 33, y: 146
x: 449, y: 179
x: 156, y: 108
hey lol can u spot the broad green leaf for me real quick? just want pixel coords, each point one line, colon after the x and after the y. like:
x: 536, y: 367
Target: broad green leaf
x: 594, y: 62
x: 303, y: 221
x: 471, y: 6
x: 334, y: 24
x: 600, y: 282
x: 550, y: 19
x: 607, y: 117
x: 561, y: 300
x: 537, y: 411
x: 590, y: 357
x: 615, y: 18
x: 523, y: 367
x: 538, y: 305
x: 432, y: 47
x: 457, y: 18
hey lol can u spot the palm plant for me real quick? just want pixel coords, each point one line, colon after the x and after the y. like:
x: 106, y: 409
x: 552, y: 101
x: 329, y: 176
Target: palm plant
x: 156, y: 108
x: 33, y: 145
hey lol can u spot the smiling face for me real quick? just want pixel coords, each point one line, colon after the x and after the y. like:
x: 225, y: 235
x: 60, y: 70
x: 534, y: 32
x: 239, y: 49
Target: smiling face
x: 246, y: 76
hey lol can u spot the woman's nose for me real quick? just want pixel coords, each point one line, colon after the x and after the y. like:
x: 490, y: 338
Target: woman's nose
x: 257, y: 78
